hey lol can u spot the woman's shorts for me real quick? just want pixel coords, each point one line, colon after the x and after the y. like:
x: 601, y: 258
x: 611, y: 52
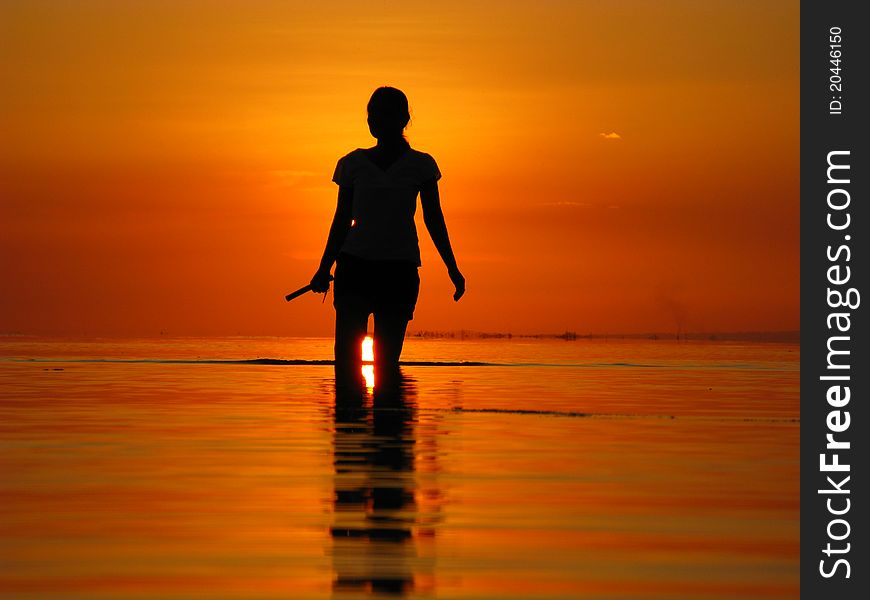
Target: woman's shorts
x: 376, y: 286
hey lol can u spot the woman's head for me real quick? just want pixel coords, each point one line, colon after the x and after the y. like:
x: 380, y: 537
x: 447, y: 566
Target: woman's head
x: 388, y: 113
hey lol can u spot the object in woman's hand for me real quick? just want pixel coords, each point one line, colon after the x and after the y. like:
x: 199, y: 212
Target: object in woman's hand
x: 303, y: 290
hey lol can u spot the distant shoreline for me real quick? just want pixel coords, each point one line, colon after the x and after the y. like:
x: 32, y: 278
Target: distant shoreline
x: 734, y: 336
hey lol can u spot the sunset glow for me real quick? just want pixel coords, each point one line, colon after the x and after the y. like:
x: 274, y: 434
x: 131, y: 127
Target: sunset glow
x: 608, y: 167
x: 368, y: 355
x: 368, y: 345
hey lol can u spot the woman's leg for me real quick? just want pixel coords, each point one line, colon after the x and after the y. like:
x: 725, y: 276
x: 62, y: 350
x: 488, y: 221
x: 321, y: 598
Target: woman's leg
x: 350, y: 329
x: 389, y: 339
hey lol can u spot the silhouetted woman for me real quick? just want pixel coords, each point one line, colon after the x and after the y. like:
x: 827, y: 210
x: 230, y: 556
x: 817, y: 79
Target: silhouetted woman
x: 373, y: 239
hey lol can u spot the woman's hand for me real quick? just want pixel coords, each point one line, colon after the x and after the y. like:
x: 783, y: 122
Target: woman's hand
x: 320, y: 281
x: 458, y: 282
x: 433, y: 217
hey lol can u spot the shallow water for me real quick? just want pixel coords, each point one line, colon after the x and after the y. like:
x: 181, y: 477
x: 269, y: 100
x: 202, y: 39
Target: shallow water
x: 581, y: 469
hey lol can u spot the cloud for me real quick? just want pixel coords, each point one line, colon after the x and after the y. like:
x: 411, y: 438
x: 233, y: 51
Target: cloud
x: 610, y: 136
x: 293, y: 174
x: 564, y: 203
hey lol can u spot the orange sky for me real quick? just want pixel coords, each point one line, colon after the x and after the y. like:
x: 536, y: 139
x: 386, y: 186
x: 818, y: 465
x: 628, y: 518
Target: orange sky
x: 166, y: 166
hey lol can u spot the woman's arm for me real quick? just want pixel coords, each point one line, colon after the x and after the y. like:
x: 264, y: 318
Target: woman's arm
x: 341, y: 222
x: 433, y: 217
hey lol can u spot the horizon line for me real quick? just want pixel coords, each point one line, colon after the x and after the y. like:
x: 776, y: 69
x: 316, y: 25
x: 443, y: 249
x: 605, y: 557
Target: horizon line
x: 568, y: 335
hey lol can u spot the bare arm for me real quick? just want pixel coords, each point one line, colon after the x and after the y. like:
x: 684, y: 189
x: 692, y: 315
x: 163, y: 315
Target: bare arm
x: 341, y: 223
x: 433, y: 217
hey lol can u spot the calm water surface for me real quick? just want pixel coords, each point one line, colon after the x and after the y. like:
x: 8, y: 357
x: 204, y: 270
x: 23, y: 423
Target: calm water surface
x: 583, y: 469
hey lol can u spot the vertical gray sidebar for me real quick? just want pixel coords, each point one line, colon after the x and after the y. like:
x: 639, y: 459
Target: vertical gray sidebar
x: 835, y: 369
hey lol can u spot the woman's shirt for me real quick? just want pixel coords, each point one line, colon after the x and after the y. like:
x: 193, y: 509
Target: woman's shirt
x: 384, y: 203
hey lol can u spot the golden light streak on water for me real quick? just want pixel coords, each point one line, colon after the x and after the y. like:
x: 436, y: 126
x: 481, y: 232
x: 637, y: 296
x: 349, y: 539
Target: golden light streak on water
x: 368, y: 372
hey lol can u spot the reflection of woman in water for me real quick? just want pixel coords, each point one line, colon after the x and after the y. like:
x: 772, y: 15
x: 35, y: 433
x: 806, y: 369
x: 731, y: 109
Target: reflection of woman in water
x: 373, y: 239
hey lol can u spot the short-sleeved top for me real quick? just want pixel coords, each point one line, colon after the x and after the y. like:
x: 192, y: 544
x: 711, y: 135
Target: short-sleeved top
x: 384, y: 203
